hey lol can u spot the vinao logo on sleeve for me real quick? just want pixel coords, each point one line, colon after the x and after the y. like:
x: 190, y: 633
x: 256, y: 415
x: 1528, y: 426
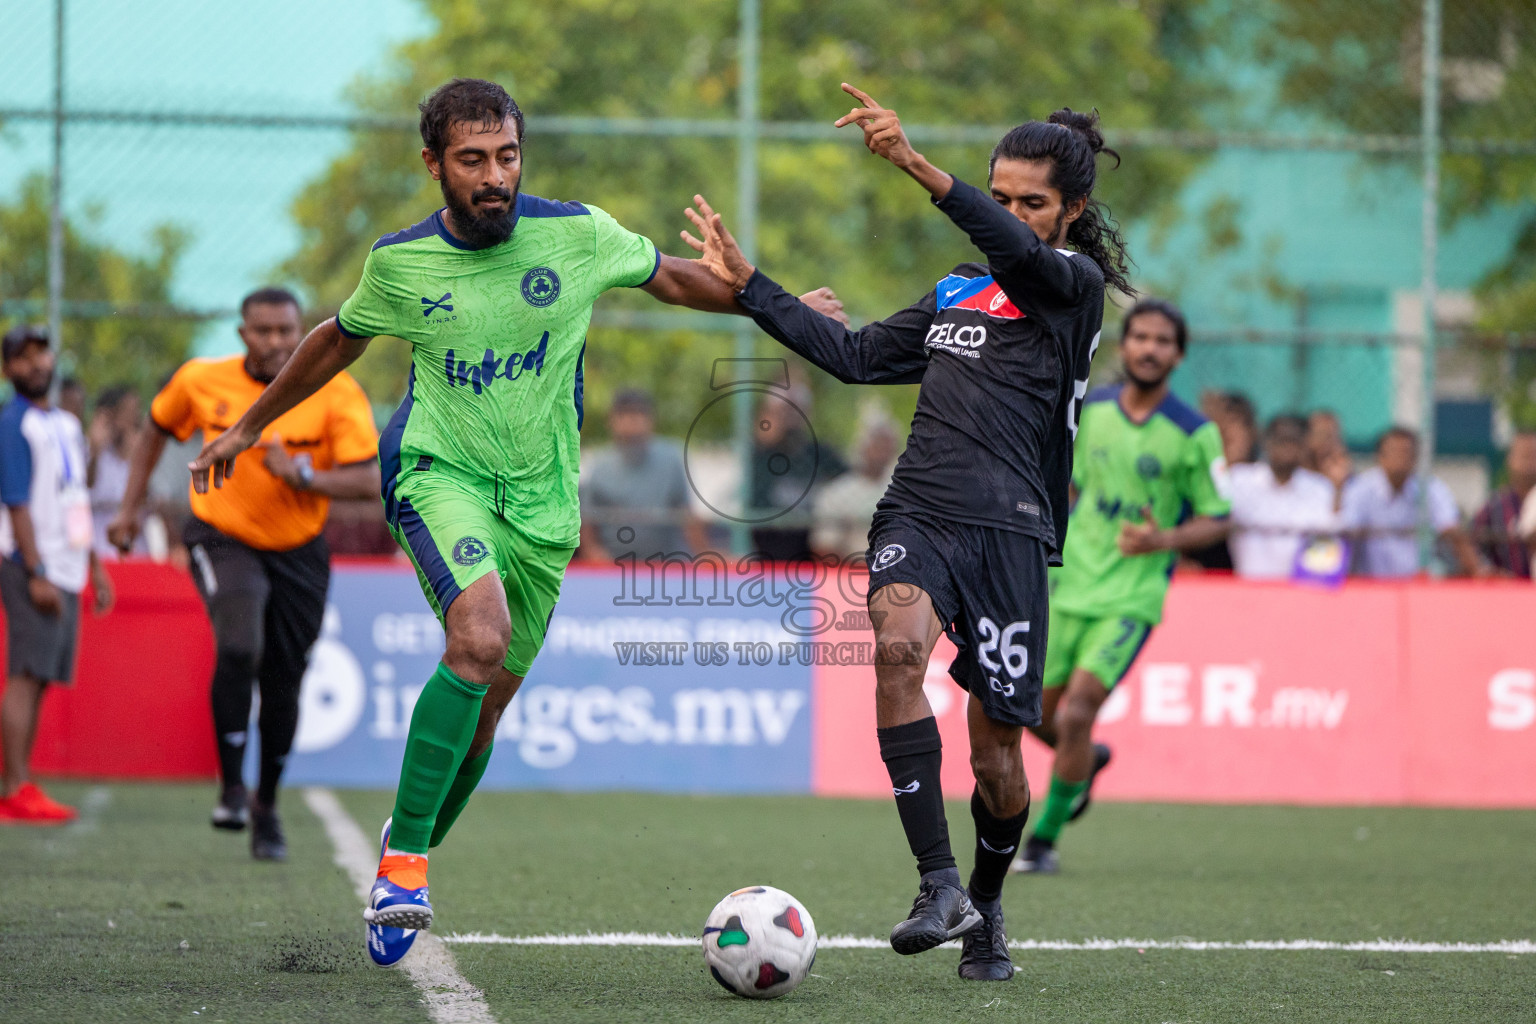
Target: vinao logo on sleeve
x: 483, y: 374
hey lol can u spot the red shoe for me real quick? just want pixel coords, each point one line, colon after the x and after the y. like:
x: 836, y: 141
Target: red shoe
x: 31, y: 806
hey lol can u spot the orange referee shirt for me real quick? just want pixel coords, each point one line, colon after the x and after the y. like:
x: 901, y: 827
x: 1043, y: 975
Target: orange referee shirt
x: 333, y: 427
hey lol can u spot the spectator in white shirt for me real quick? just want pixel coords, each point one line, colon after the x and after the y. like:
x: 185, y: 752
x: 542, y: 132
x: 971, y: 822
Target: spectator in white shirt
x: 1277, y: 505
x: 1381, y: 511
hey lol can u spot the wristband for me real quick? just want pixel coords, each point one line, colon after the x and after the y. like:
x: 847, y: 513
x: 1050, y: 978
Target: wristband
x: 306, y: 473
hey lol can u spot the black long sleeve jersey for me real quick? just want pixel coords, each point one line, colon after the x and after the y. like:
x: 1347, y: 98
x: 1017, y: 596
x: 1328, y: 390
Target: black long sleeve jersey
x: 1002, y: 353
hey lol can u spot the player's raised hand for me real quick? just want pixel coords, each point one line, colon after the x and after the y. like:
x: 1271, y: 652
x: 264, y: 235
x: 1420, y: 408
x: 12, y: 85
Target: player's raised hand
x: 825, y: 301
x: 719, y: 252
x: 883, y: 133
x: 217, y: 459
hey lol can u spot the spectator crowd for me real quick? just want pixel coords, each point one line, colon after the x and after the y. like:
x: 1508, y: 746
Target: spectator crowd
x: 1301, y: 508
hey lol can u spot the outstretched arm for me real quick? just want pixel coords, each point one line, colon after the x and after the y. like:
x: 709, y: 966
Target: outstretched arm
x: 319, y: 357
x: 888, y: 352
x: 681, y: 282
x: 1021, y: 261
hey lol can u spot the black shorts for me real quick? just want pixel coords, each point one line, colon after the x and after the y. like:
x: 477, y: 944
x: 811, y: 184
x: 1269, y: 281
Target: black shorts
x: 989, y: 588
x: 267, y: 605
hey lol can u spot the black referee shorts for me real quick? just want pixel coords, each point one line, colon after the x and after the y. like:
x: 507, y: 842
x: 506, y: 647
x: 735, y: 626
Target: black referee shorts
x: 267, y: 605
x: 990, y: 590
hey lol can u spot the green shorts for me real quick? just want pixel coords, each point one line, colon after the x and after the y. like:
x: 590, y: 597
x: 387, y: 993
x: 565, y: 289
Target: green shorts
x: 1105, y: 647
x: 448, y: 524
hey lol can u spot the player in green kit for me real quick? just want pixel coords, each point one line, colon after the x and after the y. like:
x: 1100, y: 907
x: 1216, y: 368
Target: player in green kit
x: 1150, y: 482
x: 494, y: 293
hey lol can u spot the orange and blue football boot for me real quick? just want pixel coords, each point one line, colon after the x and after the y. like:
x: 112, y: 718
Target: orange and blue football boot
x: 397, y: 906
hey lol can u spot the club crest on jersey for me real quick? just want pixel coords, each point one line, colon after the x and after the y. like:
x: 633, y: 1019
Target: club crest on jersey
x: 1148, y: 467
x: 469, y: 550
x: 887, y: 557
x: 541, y: 286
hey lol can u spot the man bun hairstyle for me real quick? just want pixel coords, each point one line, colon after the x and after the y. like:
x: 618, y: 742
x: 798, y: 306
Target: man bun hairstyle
x: 1164, y: 308
x: 1072, y: 142
x: 475, y: 101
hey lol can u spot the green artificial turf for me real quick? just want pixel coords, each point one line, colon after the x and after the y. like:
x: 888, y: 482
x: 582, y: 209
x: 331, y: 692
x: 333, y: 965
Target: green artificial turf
x: 539, y: 863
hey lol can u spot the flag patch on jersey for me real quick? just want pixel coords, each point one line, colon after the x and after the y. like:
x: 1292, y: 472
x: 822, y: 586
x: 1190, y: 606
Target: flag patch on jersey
x: 979, y: 293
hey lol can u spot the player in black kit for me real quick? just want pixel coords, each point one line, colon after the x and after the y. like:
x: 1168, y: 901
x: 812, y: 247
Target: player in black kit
x: 978, y: 504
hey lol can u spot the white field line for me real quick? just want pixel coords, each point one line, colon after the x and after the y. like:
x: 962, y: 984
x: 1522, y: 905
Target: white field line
x: 449, y: 998
x: 1512, y: 946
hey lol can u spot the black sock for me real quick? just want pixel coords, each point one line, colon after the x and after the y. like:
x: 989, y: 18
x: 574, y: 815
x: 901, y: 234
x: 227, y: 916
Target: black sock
x: 997, y: 840
x: 233, y: 674
x: 278, y: 722
x: 912, y: 754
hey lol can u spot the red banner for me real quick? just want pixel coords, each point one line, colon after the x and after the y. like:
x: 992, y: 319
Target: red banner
x: 139, y: 705
x: 1377, y: 693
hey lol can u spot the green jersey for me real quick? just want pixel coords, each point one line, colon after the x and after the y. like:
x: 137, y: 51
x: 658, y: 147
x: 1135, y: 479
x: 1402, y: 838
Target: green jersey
x: 1171, y: 465
x: 497, y: 338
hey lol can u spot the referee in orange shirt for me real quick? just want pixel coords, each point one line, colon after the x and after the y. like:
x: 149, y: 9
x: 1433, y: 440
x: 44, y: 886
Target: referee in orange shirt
x: 258, y: 557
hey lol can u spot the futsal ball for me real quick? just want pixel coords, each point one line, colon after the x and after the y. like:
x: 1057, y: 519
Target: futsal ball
x: 759, y: 942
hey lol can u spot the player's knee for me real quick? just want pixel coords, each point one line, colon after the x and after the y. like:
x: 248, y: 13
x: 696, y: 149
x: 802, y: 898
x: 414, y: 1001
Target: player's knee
x: 481, y: 648
x: 1074, y: 716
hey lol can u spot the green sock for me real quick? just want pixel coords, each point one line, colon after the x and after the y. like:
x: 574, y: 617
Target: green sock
x: 1058, y: 807
x: 442, y: 726
x: 464, y: 783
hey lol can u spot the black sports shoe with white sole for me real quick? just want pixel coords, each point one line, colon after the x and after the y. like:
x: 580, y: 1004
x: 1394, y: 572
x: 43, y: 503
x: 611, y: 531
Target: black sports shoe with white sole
x: 1102, y: 755
x: 984, y: 950
x: 267, y: 841
x: 940, y: 913
x: 1038, y: 858
x: 230, y: 812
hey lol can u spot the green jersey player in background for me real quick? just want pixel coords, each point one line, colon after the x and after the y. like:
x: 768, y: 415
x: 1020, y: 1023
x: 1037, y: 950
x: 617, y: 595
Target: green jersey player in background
x: 494, y: 293
x: 1150, y: 482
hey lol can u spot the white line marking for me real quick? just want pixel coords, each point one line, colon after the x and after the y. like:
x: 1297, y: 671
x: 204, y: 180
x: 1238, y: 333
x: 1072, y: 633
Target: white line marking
x: 92, y: 804
x: 861, y: 942
x: 449, y: 998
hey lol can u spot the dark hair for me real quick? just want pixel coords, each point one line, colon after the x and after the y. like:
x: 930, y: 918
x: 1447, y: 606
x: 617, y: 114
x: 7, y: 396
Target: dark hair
x: 466, y: 101
x: 1164, y: 308
x: 270, y: 296
x: 1240, y: 406
x: 632, y: 400
x: 1287, y: 420
x: 1071, y: 141
x: 71, y: 382
x: 1406, y: 433
x: 112, y: 397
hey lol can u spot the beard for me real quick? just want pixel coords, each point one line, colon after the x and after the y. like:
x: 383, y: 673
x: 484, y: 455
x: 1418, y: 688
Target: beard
x: 482, y: 230
x: 1144, y: 382
x: 35, y: 387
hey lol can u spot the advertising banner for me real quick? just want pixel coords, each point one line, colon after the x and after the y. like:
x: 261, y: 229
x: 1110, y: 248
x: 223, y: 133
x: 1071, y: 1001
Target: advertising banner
x: 1470, y: 657
x: 638, y: 687
x: 759, y: 679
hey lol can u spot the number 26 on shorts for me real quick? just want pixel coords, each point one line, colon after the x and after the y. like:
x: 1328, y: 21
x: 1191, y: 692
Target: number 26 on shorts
x: 1002, y: 642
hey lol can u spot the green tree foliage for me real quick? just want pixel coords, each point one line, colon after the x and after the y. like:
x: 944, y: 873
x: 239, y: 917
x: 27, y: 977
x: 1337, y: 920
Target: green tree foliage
x: 830, y: 213
x: 1359, y: 63
x: 133, y: 345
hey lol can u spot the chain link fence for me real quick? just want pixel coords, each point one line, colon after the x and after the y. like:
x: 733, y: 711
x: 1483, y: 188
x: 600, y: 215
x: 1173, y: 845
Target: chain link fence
x: 1283, y: 179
